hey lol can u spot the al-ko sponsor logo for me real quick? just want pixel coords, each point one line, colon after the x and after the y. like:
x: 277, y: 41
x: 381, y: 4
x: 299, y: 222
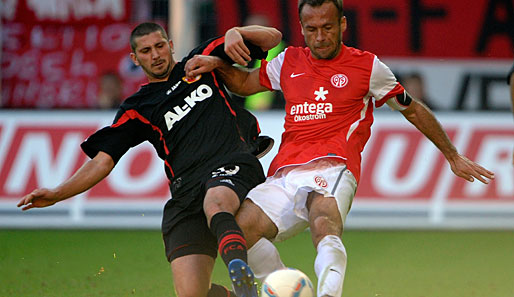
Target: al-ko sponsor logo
x: 312, y: 111
x: 201, y: 93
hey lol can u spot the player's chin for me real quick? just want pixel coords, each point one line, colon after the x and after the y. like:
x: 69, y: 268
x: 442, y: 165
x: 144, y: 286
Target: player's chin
x: 324, y: 53
x: 160, y: 74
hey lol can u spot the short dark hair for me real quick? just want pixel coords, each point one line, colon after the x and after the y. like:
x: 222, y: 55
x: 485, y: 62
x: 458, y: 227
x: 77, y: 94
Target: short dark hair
x: 315, y: 3
x: 145, y: 29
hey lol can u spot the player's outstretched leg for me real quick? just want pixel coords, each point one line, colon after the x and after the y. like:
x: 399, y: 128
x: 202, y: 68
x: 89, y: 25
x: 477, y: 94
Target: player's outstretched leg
x: 264, y: 258
x: 330, y: 266
x: 220, y: 291
x: 242, y: 278
x: 233, y: 251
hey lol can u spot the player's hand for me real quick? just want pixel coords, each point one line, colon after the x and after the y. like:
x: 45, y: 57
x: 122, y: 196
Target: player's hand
x: 236, y: 48
x: 201, y: 64
x: 469, y: 170
x: 38, y: 198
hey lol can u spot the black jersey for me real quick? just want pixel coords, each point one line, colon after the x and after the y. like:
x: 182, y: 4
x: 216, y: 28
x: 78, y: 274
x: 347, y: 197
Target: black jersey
x: 192, y: 124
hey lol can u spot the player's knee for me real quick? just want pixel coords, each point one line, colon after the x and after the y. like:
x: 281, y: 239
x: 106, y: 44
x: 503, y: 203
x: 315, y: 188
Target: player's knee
x: 220, y: 199
x: 254, y: 223
x: 324, y: 225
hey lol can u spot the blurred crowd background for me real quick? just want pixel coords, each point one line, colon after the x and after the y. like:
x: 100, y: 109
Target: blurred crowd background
x: 60, y: 54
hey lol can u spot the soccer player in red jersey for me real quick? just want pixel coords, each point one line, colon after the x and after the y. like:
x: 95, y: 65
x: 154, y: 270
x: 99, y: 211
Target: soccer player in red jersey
x: 329, y: 90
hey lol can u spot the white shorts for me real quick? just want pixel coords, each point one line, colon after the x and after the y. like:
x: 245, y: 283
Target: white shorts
x: 283, y: 197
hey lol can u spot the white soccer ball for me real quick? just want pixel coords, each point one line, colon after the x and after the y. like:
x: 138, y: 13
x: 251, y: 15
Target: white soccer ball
x: 287, y: 282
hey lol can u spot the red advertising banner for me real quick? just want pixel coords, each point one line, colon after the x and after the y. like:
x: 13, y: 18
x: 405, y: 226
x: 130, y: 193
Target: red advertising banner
x: 77, y: 12
x: 45, y: 152
x: 399, y: 163
x: 399, y: 28
x: 54, y: 54
x: 405, y: 181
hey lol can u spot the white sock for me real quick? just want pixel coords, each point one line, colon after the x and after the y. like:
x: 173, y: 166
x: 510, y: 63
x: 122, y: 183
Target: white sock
x: 330, y: 266
x: 263, y: 258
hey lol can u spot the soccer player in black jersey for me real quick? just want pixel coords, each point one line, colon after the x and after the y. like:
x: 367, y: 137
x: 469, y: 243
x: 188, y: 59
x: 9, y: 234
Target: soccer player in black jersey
x: 209, y: 148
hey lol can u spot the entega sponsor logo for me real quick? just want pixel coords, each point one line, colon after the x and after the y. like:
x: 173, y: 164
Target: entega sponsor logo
x: 201, y: 93
x: 310, y: 111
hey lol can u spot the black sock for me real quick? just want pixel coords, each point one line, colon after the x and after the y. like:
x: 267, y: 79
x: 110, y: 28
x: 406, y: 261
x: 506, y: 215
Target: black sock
x: 220, y: 291
x: 231, y: 242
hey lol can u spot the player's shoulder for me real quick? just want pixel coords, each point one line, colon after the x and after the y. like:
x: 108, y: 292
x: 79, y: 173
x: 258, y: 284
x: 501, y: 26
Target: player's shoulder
x: 131, y: 102
x: 296, y: 52
x: 144, y: 92
x: 359, y: 53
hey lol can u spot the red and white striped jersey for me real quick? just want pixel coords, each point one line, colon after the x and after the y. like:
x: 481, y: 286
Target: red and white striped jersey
x: 329, y: 107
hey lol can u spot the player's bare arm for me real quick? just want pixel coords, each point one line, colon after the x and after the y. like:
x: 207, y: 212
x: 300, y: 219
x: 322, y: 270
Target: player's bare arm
x: 202, y: 64
x: 263, y: 37
x: 241, y: 81
x: 92, y: 172
x: 424, y: 120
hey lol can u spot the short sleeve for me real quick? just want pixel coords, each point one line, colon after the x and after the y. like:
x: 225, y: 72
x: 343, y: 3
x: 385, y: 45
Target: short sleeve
x: 271, y: 72
x: 115, y: 140
x: 383, y: 84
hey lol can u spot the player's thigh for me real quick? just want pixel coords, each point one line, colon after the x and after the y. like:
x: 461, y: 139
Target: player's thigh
x: 324, y: 216
x: 190, y: 236
x: 228, y: 185
x: 327, y: 213
x: 220, y: 199
x: 192, y: 275
x: 255, y: 223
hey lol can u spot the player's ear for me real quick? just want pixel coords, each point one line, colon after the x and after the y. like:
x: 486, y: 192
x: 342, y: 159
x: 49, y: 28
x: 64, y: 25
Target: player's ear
x: 343, y: 24
x: 303, y: 33
x: 171, y: 46
x: 134, y: 59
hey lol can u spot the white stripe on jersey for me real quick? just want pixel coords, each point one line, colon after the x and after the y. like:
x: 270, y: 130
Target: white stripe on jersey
x: 274, y: 68
x: 354, y: 125
x: 382, y: 80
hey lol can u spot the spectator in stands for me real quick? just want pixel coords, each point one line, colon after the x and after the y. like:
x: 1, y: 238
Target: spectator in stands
x: 111, y: 91
x: 415, y: 85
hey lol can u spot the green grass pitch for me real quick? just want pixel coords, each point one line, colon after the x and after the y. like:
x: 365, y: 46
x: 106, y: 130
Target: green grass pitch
x: 42, y: 263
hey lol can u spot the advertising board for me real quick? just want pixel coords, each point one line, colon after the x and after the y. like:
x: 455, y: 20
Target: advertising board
x: 405, y: 181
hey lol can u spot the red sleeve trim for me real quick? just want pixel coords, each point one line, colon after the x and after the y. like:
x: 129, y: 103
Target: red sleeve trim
x: 131, y: 114
x: 263, y: 75
x: 214, y: 44
x: 398, y: 89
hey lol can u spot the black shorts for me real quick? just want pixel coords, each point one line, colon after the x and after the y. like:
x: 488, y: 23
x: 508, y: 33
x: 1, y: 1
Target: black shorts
x: 191, y: 235
x: 241, y: 172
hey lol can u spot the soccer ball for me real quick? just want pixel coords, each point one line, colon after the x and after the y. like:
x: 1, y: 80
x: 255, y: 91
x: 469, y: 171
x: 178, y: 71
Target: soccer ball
x: 287, y: 282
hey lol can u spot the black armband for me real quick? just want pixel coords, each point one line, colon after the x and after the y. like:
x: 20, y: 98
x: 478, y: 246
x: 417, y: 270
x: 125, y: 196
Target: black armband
x: 404, y: 99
